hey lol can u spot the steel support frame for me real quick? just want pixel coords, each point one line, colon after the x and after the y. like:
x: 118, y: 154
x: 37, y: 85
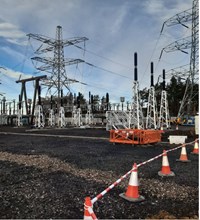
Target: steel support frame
x: 137, y: 114
x: 51, y: 120
x: 39, y: 117
x: 152, y: 116
x: 61, y: 117
x: 164, y: 118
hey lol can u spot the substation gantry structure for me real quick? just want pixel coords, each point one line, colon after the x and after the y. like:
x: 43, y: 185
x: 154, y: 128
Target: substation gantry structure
x: 29, y: 111
x: 192, y: 42
x: 152, y: 116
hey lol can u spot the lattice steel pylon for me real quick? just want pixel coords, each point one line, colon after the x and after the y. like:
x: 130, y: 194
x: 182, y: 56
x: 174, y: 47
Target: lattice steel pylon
x: 191, y: 42
x: 194, y: 61
x: 152, y: 116
x: 56, y: 65
x: 137, y: 114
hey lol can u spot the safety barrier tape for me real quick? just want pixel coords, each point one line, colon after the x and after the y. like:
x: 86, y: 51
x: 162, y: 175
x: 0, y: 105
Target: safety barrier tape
x: 100, y: 195
x: 90, y: 210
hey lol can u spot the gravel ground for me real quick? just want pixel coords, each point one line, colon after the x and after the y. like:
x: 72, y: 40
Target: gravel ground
x: 48, y: 173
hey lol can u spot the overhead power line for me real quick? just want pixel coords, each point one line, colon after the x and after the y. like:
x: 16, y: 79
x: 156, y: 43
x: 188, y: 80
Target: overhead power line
x: 103, y: 57
x: 109, y: 71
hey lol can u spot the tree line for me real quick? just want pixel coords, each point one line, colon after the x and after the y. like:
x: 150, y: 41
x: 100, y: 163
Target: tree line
x: 175, y: 91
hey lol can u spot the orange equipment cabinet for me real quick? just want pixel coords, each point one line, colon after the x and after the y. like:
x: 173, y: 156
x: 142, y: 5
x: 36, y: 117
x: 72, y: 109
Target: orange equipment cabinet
x: 135, y: 136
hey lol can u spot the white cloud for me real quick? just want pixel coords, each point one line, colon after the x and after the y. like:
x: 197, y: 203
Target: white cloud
x: 15, y: 75
x: 166, y: 9
x: 115, y: 28
x: 11, y: 33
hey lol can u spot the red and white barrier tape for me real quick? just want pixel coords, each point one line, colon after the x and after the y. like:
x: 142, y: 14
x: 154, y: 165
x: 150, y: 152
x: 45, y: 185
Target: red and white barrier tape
x: 90, y: 210
x: 100, y: 195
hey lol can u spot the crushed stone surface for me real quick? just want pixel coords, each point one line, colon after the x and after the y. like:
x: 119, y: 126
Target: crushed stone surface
x: 49, y: 177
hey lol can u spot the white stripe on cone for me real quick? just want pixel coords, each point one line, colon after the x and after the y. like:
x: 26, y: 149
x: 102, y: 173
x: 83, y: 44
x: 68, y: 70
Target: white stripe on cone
x: 165, y: 161
x: 134, y: 177
x: 196, y: 145
x: 196, y: 148
x: 183, y: 151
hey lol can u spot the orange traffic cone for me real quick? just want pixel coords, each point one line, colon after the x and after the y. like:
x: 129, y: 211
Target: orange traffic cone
x: 165, y: 171
x: 196, y: 148
x: 87, y: 204
x: 132, y: 193
x: 183, y: 157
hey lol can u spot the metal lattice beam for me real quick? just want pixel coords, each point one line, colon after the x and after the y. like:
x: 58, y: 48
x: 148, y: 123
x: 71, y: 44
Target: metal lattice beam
x: 182, y: 45
x: 180, y: 18
x: 192, y: 43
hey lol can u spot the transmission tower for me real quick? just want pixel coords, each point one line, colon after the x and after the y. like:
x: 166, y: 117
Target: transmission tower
x: 56, y: 65
x: 192, y: 42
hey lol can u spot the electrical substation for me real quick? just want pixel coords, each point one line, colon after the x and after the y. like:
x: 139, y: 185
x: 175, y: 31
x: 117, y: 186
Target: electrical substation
x: 54, y: 112
x: 62, y: 151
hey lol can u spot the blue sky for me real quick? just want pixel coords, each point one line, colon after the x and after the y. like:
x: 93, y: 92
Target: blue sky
x: 115, y: 29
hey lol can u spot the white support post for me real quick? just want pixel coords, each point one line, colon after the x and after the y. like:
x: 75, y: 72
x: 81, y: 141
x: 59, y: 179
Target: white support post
x: 164, y: 119
x: 51, y: 121
x: 39, y: 117
x: 151, y: 110
x: 77, y: 117
x: 19, y: 118
x: 137, y: 114
x: 89, y: 118
x: 61, y: 117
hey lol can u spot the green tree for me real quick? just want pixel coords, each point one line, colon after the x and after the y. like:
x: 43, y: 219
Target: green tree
x: 175, y: 91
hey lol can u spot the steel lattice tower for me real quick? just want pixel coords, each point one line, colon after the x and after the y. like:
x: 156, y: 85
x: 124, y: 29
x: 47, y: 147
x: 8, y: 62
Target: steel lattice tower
x: 194, y: 62
x: 56, y: 65
x: 191, y: 42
